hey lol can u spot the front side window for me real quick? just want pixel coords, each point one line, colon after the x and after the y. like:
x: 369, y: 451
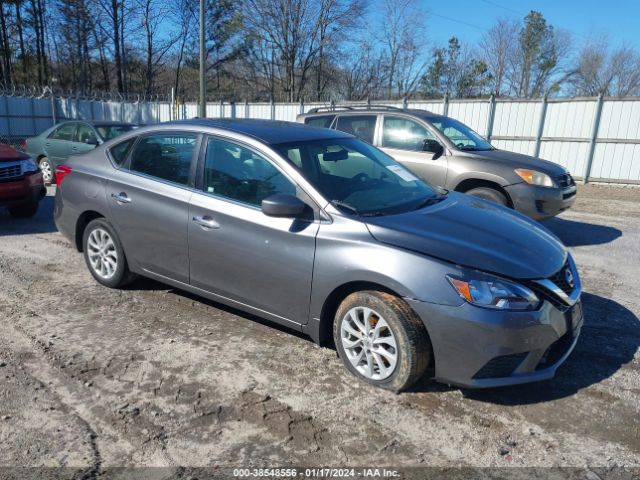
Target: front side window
x: 362, y: 126
x: 404, y: 134
x: 107, y: 132
x: 461, y: 136
x: 63, y: 132
x: 164, y: 156
x: 85, y: 134
x: 238, y: 173
x: 323, y: 121
x: 358, y: 178
x: 119, y: 152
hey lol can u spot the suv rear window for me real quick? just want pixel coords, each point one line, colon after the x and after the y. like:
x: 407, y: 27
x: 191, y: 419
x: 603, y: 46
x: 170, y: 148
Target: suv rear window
x: 323, y: 121
x: 362, y: 126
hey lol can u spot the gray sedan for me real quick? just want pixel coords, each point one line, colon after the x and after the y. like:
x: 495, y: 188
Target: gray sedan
x: 319, y: 231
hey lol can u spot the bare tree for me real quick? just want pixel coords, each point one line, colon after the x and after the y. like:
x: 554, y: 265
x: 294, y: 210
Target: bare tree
x: 498, y: 46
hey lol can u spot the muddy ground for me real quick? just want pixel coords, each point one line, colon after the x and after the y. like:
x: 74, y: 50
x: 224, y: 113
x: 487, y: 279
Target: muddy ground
x: 92, y: 378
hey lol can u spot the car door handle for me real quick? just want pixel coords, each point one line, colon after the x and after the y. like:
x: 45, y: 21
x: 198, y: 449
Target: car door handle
x: 206, y: 222
x: 121, y: 197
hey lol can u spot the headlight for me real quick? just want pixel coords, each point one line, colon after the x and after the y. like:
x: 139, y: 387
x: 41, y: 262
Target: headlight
x: 533, y: 177
x: 487, y: 291
x: 28, y: 166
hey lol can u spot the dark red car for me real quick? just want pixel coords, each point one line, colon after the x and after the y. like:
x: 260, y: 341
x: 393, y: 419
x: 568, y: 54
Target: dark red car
x: 21, y: 185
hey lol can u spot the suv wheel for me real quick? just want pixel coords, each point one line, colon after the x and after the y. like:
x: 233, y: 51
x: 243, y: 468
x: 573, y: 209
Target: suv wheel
x: 104, y: 255
x: 46, y: 169
x: 490, y: 194
x: 381, y: 340
x: 24, y: 211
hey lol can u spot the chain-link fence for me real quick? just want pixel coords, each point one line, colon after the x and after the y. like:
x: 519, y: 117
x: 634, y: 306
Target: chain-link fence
x: 595, y: 138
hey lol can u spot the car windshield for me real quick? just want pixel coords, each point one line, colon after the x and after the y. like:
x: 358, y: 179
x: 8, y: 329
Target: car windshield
x: 107, y: 132
x: 461, y: 136
x: 358, y: 178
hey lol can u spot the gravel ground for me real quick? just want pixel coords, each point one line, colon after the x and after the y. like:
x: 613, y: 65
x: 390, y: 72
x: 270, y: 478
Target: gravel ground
x: 93, y: 379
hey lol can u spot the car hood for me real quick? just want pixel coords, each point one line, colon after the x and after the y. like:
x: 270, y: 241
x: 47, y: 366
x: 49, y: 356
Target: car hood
x: 10, y: 154
x: 518, y: 160
x: 475, y: 233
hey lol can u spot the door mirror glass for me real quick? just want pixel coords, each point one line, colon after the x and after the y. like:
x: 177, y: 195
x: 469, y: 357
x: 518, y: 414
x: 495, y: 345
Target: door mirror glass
x: 433, y: 146
x: 91, y: 141
x: 281, y: 205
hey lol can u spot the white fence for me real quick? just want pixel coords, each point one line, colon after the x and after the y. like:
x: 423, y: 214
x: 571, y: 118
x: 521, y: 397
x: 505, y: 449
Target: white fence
x: 595, y: 138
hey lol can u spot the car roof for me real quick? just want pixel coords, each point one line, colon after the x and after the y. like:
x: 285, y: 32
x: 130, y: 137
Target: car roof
x: 96, y: 123
x: 271, y: 132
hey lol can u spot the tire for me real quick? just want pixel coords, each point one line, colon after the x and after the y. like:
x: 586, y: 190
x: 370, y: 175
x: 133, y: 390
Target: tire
x: 413, y: 349
x: 48, y: 174
x: 490, y: 194
x: 24, y: 211
x: 104, y: 255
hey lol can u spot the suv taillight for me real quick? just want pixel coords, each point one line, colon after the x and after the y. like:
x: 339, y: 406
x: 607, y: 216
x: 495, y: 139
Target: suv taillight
x: 61, y: 172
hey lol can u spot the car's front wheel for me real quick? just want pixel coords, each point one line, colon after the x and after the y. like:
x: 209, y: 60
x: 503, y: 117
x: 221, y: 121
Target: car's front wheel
x: 381, y: 340
x: 104, y: 255
x: 490, y: 194
x: 47, y: 170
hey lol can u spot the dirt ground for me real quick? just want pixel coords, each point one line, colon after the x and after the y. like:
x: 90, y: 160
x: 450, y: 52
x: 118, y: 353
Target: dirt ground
x: 92, y: 378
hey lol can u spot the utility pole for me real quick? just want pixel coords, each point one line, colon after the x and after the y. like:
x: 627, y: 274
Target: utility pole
x: 202, y: 110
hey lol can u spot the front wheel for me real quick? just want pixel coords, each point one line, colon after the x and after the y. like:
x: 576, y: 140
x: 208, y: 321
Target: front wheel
x: 381, y: 340
x: 47, y: 170
x: 104, y: 255
x: 490, y: 194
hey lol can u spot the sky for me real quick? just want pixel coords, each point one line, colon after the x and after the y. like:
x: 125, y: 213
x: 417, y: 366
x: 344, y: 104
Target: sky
x: 467, y: 19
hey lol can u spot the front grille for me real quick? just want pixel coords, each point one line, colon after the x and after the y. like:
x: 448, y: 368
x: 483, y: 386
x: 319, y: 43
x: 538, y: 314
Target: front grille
x: 561, y: 281
x: 10, y: 171
x: 556, y: 351
x: 565, y: 180
x: 502, y: 366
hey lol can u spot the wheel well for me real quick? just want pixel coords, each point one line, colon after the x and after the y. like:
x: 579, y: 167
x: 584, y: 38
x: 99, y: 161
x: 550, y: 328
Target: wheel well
x: 41, y: 156
x: 470, y: 183
x: 82, y: 223
x: 333, y: 301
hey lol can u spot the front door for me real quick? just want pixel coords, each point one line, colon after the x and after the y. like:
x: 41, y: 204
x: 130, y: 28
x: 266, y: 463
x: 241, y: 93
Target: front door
x: 149, y: 203
x: 238, y: 252
x: 403, y: 139
x: 84, y: 140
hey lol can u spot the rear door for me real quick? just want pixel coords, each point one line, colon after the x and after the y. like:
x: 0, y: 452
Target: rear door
x: 57, y: 146
x: 238, y: 252
x: 149, y: 202
x: 403, y: 138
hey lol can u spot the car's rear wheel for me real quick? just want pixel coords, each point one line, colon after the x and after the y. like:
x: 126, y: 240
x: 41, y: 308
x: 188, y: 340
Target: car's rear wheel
x: 104, y: 255
x: 24, y: 211
x: 381, y: 340
x: 46, y: 169
x: 490, y: 194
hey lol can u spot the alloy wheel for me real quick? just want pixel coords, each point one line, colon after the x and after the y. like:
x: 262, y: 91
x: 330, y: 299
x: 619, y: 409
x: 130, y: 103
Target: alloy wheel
x: 102, y: 253
x: 47, y: 172
x: 369, y: 343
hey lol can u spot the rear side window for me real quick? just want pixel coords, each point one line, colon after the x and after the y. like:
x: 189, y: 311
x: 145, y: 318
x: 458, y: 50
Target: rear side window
x: 404, y: 134
x: 63, y: 132
x: 119, y: 152
x: 164, y: 156
x: 323, y: 121
x: 362, y: 126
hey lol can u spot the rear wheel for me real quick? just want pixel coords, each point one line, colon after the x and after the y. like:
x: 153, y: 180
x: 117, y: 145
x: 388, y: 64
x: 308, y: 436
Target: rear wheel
x: 104, y: 255
x: 381, y: 340
x: 24, y: 211
x: 46, y: 169
x: 490, y: 194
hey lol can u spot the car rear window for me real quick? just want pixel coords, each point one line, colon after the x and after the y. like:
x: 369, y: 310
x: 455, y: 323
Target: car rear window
x: 322, y: 121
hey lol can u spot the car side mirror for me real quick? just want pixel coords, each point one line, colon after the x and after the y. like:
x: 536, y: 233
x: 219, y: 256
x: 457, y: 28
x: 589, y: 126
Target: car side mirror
x: 91, y: 141
x: 281, y: 205
x: 433, y: 146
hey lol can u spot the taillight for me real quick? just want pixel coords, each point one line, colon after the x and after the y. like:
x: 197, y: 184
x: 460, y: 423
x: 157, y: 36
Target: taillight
x: 61, y: 172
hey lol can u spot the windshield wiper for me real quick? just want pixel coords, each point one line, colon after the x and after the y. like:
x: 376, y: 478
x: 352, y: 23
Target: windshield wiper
x: 346, y: 206
x: 430, y: 201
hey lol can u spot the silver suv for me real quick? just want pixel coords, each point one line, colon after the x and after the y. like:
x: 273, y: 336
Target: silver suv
x: 445, y: 152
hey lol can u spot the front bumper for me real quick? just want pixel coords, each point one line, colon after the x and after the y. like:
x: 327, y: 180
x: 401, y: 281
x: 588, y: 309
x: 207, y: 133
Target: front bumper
x: 541, y: 202
x: 477, y: 348
x: 25, y: 190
